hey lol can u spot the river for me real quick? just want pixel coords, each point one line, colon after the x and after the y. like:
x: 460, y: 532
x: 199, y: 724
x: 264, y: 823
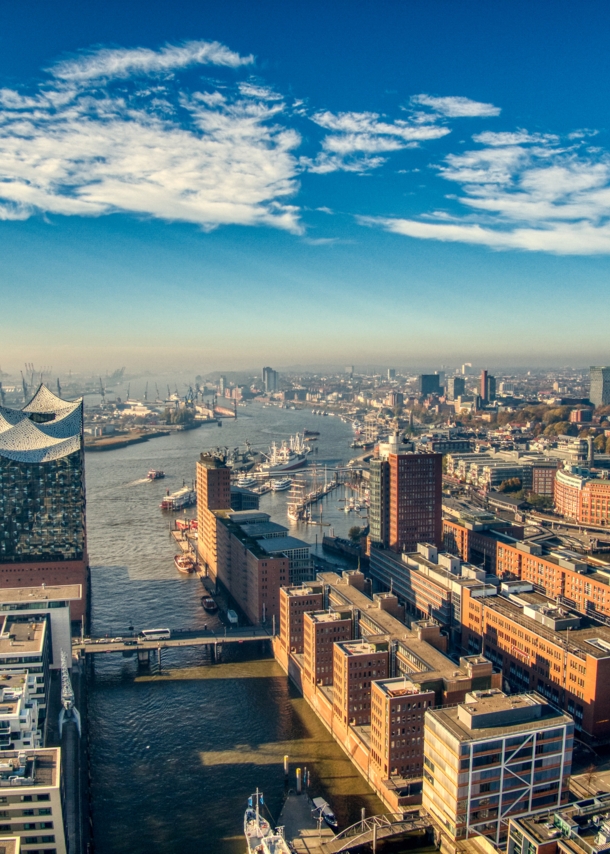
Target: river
x: 175, y: 754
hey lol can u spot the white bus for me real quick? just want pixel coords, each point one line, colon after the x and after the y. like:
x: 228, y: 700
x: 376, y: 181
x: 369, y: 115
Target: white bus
x: 154, y: 634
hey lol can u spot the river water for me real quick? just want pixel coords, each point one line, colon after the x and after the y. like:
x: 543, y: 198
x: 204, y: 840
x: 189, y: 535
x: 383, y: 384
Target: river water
x: 175, y: 753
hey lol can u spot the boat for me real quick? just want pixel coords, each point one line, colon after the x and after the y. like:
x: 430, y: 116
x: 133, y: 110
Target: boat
x: 311, y: 432
x: 281, y: 484
x: 155, y: 474
x: 275, y: 843
x: 245, y: 482
x: 208, y: 604
x: 256, y: 828
x: 185, y: 564
x: 184, y: 497
x: 288, y: 456
x: 323, y: 810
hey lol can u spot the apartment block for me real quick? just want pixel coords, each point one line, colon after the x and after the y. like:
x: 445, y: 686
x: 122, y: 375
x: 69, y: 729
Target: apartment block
x: 321, y: 630
x: 295, y: 602
x: 31, y: 799
x: 415, y: 493
x: 356, y: 664
x: 541, y: 646
x: 27, y: 645
x: 560, y: 574
x: 493, y: 758
x: 398, y: 707
x: 18, y: 711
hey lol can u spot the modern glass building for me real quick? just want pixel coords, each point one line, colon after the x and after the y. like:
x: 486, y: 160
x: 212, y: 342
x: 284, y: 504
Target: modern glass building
x: 599, y: 393
x: 42, y: 493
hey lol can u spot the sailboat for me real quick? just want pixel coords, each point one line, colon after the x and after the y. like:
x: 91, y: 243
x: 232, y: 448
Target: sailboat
x: 256, y: 828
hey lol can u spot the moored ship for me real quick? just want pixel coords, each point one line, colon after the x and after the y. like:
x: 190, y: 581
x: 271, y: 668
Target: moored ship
x: 290, y: 455
x: 281, y: 484
x: 208, y: 604
x: 185, y: 564
x: 184, y: 497
x: 256, y: 828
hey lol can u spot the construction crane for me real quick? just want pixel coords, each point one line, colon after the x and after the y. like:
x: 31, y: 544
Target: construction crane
x: 68, y: 709
x: 146, y: 393
x: 58, y: 388
x: 102, y: 390
x: 24, y: 386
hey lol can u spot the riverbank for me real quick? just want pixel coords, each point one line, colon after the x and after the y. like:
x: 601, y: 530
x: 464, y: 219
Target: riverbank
x: 123, y: 440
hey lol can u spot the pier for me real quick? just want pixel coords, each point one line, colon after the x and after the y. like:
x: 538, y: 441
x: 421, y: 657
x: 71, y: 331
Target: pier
x: 133, y: 644
x: 300, y: 828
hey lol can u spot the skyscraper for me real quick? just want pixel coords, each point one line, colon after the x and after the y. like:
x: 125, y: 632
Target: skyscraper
x: 415, y: 493
x: 455, y: 387
x: 270, y: 380
x: 487, y: 389
x: 391, y: 373
x: 429, y: 384
x: 42, y: 496
x: 599, y: 393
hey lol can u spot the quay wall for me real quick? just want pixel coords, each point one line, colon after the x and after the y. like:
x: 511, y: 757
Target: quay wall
x: 346, y: 736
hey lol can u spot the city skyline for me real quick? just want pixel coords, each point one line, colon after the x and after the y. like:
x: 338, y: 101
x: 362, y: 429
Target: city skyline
x: 225, y: 186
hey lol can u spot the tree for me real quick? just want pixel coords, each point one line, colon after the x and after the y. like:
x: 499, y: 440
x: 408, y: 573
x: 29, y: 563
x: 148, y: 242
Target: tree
x: 512, y: 484
x: 355, y: 533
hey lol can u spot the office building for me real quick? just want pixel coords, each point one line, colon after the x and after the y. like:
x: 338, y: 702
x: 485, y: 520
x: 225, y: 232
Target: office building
x: 321, y: 630
x: 391, y: 374
x: 31, y: 799
x: 456, y: 387
x: 415, y: 493
x: 379, y: 492
x: 493, y: 758
x: 42, y: 496
x: 582, y: 827
x: 398, y: 707
x: 487, y: 388
x: 349, y: 370
x: 270, y: 380
x: 244, y: 499
x: 429, y: 384
x: 356, y: 665
x: 599, y: 392
x: 542, y: 646
x: 474, y: 535
x: 582, y: 498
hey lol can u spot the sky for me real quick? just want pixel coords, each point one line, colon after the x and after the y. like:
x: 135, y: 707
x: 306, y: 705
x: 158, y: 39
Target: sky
x: 220, y: 185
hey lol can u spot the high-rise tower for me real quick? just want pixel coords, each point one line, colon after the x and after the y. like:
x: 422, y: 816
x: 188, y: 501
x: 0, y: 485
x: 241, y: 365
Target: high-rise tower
x: 599, y: 393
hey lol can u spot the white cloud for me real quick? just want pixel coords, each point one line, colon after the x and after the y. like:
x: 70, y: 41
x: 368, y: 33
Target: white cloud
x: 208, y: 158
x: 125, y: 62
x: 541, y: 197
x: 365, y: 134
x: 455, y: 106
x: 519, y: 137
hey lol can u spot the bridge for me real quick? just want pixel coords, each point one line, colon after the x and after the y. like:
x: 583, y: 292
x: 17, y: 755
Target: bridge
x: 372, y: 830
x: 133, y: 643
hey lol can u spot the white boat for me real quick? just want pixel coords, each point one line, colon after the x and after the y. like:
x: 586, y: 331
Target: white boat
x: 323, y: 810
x: 184, y: 497
x: 245, y: 482
x: 256, y: 828
x: 275, y: 843
x: 281, y: 484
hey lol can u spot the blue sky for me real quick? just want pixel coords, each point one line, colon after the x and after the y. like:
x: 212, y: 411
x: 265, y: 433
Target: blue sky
x: 222, y: 184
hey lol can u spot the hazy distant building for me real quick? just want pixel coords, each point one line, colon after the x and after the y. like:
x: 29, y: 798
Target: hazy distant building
x: 599, y: 393
x: 487, y: 389
x: 391, y: 374
x: 429, y: 384
x: 349, y: 370
x: 42, y: 496
x: 456, y: 386
x: 270, y: 380
x: 222, y: 384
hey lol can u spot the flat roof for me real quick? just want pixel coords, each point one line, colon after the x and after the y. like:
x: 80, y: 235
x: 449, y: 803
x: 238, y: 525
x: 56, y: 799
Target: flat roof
x: 328, y: 616
x: 17, y: 638
x: 48, y: 592
x: 259, y: 529
x: 399, y: 686
x: 362, y: 647
x: 42, y: 767
x: 448, y: 718
x: 282, y: 544
x: 306, y: 590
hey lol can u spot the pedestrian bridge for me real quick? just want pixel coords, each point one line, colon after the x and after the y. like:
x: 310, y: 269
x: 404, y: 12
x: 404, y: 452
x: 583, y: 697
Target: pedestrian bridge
x: 374, y: 829
x: 132, y: 643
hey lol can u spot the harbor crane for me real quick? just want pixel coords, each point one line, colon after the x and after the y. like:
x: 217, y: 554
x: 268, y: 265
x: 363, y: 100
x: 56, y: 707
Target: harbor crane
x: 68, y: 709
x: 2, y: 395
x: 58, y: 388
x: 24, y: 386
x: 102, y: 390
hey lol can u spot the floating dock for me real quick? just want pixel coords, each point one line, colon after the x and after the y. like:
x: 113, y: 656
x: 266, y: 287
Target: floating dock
x: 302, y: 830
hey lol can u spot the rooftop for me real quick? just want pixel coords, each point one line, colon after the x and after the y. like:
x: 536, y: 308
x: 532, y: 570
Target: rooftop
x: 30, y: 768
x: 18, y: 638
x: 262, y: 529
x: 47, y: 428
x: 305, y: 590
x: 449, y: 718
x: 329, y: 616
x: 398, y: 686
x: 51, y: 593
x: 362, y: 647
x: 273, y: 545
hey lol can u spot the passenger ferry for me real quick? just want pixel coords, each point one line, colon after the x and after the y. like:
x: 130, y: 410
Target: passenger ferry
x: 184, y: 497
x: 282, y: 484
x: 155, y: 474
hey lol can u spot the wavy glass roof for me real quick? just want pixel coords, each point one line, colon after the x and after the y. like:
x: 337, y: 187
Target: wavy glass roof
x: 25, y: 438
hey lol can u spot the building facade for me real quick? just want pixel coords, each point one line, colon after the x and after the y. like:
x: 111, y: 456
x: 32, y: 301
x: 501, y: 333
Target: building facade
x: 599, y: 393
x: 321, y: 630
x: 356, y: 665
x: 42, y: 496
x: 398, y: 707
x: 582, y: 498
x: 415, y: 494
x: 492, y: 758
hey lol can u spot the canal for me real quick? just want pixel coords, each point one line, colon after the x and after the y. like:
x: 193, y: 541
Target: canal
x: 176, y: 753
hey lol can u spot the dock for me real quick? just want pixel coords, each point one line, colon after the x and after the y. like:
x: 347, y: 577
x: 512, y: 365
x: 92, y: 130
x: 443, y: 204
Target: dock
x: 300, y: 829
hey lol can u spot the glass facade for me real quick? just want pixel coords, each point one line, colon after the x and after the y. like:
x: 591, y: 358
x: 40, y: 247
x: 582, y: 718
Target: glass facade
x: 42, y: 509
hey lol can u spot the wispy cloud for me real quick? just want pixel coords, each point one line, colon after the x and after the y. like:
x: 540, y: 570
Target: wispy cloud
x: 522, y: 191
x: 454, y: 106
x: 357, y: 139
x: 125, y: 62
x: 89, y: 146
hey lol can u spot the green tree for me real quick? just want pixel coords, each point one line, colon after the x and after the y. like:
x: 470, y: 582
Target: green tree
x: 512, y: 484
x: 355, y: 533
